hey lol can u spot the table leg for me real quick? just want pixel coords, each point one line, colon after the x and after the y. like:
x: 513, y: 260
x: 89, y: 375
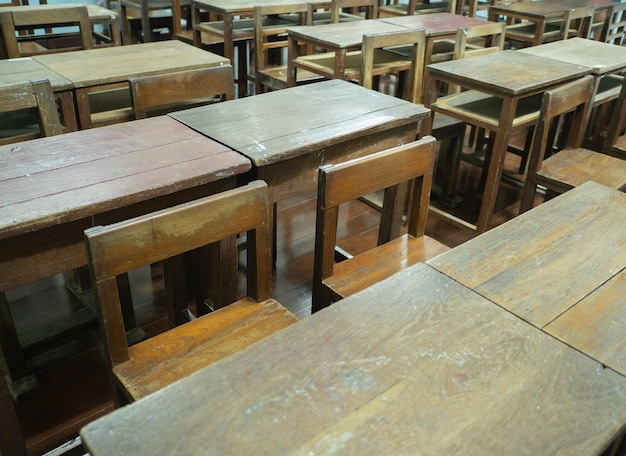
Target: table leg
x: 11, y: 442
x: 495, y: 164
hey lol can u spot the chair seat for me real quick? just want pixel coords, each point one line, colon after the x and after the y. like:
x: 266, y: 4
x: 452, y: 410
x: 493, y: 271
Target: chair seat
x: 167, y: 357
x: 483, y: 110
x: 526, y: 31
x: 357, y: 273
x: 570, y: 168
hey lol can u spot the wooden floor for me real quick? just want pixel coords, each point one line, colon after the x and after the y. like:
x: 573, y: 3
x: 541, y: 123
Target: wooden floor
x: 75, y: 386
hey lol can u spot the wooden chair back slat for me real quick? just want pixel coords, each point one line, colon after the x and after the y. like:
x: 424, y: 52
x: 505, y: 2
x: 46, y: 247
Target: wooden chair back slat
x: 168, y: 92
x: 338, y: 6
x: 35, y: 94
x: 614, y: 24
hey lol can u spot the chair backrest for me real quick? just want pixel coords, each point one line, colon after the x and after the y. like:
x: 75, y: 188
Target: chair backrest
x: 614, y: 24
x: 374, y: 43
x: 20, y: 36
x: 564, y: 114
x: 389, y: 170
x: 337, y: 7
x: 577, y: 22
x: 268, y: 36
x: 167, y: 234
x: 16, y: 98
x: 159, y: 94
x: 479, y: 39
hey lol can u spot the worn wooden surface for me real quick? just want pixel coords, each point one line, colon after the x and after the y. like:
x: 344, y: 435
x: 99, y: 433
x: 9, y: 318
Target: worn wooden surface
x: 436, y: 24
x: 27, y: 69
x: 545, y: 263
x: 416, y: 364
x: 288, y: 134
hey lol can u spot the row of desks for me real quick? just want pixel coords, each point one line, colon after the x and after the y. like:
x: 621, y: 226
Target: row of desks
x: 53, y: 188
x: 512, y: 343
x: 74, y: 75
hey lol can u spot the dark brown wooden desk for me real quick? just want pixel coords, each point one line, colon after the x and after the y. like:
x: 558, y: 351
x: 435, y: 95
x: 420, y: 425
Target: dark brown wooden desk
x: 560, y: 267
x: 416, y: 364
x: 53, y: 188
x: 288, y: 134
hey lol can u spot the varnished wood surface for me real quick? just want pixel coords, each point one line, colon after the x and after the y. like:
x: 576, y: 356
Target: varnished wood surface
x: 285, y: 124
x: 97, y: 14
x: 601, y: 57
x: 436, y: 24
x: 25, y: 69
x: 414, y: 364
x: 119, y: 63
x: 512, y: 73
x: 549, y: 261
x: 60, y: 179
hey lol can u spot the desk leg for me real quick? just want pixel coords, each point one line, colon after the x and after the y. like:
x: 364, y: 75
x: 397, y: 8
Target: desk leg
x: 19, y: 379
x: 11, y: 442
x: 495, y: 165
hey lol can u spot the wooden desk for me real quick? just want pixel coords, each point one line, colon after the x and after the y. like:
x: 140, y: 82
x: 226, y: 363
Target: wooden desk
x: 97, y: 15
x: 513, y: 76
x: 540, y: 12
x: 438, y: 26
x: 13, y: 71
x: 416, y: 364
x: 338, y: 38
x: 53, y: 188
x: 560, y: 266
x: 97, y: 70
x: 288, y: 134
x: 227, y: 11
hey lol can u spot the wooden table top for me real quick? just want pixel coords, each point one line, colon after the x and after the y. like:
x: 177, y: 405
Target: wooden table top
x: 49, y: 181
x: 416, y: 364
x: 13, y: 71
x: 437, y: 23
x: 284, y: 124
x: 552, y: 264
x: 512, y: 73
x: 546, y: 9
x: 600, y: 57
x: 119, y: 63
x: 240, y: 6
x: 342, y: 35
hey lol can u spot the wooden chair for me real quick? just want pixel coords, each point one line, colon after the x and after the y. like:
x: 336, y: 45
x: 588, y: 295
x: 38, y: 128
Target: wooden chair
x: 22, y: 30
x: 613, y: 141
x: 164, y: 236
x: 376, y: 57
x: 567, y: 105
x: 340, y: 183
x: 163, y: 93
x: 340, y: 8
x: 153, y: 14
x: 19, y: 125
x: 614, y: 24
x: 576, y: 22
x: 416, y: 7
x: 270, y: 45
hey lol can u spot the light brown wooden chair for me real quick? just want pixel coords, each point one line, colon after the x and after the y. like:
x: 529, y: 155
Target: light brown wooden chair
x: 613, y: 139
x: 343, y: 10
x: 28, y: 111
x: 152, y: 15
x: 614, y: 24
x: 376, y: 57
x: 33, y: 32
x: 165, y: 236
x: 416, y: 7
x: 163, y: 93
x: 567, y: 105
x: 270, y: 46
x: 390, y: 170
